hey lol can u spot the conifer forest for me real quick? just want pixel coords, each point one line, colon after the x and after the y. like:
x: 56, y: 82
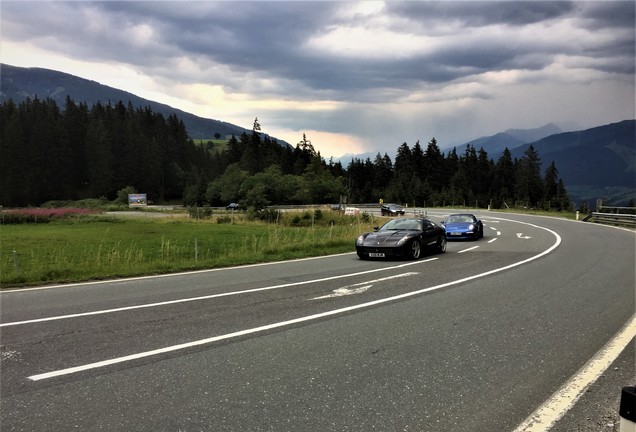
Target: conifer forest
x: 77, y: 152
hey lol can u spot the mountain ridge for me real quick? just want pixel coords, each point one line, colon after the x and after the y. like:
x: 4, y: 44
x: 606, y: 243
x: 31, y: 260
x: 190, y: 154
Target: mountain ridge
x: 18, y: 83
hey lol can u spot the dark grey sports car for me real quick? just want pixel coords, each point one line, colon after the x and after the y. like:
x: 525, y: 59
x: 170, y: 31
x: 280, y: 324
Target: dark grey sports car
x: 403, y: 237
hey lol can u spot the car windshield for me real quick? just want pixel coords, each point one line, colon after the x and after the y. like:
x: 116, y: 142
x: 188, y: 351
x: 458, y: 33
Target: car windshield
x: 459, y: 218
x: 402, y: 224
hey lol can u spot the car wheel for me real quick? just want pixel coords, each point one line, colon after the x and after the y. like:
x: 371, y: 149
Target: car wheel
x: 416, y: 249
x: 441, y: 244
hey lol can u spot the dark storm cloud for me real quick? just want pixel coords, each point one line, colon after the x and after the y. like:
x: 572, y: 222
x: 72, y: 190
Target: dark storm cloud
x: 266, y: 39
x: 481, y: 13
x: 352, y: 62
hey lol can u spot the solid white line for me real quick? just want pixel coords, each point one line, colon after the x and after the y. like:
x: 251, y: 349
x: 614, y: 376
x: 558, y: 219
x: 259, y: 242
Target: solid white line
x: 563, y: 399
x: 173, y: 348
x: 211, y: 296
x: 493, y: 240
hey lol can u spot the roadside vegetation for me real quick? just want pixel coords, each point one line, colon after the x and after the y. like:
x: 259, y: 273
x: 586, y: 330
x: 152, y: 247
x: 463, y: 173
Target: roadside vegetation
x: 71, y: 245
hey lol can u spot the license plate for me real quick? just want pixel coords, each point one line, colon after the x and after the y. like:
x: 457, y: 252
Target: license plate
x: 376, y: 255
x: 455, y: 233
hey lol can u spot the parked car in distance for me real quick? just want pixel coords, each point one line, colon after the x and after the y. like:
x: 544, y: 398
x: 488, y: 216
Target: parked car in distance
x: 463, y: 226
x: 232, y: 206
x: 391, y: 210
x: 401, y: 238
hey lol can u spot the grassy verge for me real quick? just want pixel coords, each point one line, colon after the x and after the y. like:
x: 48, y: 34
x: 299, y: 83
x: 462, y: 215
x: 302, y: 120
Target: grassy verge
x: 97, y: 247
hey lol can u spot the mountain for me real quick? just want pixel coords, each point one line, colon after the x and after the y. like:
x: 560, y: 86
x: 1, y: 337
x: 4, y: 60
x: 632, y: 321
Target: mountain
x: 18, y: 83
x: 603, y: 156
x: 512, y: 138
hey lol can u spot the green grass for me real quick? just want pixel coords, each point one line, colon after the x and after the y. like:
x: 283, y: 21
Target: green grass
x: 100, y: 248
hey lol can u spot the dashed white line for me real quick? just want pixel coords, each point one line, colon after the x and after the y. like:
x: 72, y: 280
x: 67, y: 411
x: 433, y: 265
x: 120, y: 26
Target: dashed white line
x: 466, y: 250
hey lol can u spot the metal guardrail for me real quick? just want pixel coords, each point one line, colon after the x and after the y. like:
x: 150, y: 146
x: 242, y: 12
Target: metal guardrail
x: 628, y: 220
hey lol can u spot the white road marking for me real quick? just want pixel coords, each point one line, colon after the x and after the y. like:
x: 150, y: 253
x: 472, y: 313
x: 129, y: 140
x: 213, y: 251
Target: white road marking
x: 255, y: 330
x: 351, y: 290
x: 563, y: 399
x: 211, y: 296
x: 492, y: 240
x: 521, y: 236
x: 341, y: 292
x: 469, y: 249
x: 168, y: 275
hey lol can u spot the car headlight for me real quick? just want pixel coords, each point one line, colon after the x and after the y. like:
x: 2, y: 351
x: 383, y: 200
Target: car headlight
x: 402, y: 240
x: 471, y: 227
x: 360, y: 240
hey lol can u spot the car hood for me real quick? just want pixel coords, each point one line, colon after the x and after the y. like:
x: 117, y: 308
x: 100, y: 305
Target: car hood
x: 458, y: 225
x: 386, y: 238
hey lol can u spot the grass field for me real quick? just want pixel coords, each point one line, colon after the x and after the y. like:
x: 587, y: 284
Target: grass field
x: 95, y: 247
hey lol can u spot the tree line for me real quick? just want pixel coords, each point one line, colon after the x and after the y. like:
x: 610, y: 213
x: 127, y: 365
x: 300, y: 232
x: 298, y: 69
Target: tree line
x: 77, y: 152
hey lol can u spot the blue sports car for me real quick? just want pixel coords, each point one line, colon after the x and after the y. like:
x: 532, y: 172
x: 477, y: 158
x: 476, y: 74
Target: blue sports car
x: 463, y: 226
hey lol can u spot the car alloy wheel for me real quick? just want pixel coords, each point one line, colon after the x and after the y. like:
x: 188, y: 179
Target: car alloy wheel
x: 416, y: 249
x: 441, y: 244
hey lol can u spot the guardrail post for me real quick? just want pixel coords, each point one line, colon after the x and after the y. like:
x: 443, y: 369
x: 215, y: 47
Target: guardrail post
x: 628, y: 410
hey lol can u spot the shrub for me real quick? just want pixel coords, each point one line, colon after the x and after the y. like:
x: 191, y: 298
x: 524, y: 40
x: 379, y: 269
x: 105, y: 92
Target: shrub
x: 200, y: 212
x: 41, y: 215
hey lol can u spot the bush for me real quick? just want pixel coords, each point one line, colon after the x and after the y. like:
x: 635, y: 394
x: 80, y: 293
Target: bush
x: 40, y: 215
x: 200, y: 212
x: 122, y: 194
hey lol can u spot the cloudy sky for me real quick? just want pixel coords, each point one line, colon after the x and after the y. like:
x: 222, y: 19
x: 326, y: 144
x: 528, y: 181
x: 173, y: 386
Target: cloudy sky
x: 355, y: 77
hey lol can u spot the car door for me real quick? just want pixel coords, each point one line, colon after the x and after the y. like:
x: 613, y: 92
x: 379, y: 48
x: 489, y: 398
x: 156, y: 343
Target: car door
x: 429, y: 232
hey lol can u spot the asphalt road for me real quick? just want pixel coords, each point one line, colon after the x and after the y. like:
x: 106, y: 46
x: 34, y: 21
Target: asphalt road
x: 473, y: 340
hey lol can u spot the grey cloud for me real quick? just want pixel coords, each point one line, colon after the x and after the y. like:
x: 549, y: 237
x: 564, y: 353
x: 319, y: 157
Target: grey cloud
x: 481, y: 13
x: 598, y: 15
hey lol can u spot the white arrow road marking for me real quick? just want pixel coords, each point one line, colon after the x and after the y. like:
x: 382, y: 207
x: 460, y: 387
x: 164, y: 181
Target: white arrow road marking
x: 351, y: 290
x: 521, y: 236
x: 341, y: 292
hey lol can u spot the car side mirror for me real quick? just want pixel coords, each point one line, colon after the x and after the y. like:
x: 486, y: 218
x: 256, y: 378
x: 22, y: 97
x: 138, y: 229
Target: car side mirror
x: 443, y: 222
x: 375, y: 228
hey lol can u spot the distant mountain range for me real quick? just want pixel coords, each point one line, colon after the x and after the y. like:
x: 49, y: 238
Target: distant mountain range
x: 19, y: 83
x: 513, y: 138
x: 595, y: 163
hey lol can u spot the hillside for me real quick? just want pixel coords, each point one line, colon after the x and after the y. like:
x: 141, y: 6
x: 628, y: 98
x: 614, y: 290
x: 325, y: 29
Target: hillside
x: 593, y: 163
x: 19, y: 83
x: 603, y: 156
